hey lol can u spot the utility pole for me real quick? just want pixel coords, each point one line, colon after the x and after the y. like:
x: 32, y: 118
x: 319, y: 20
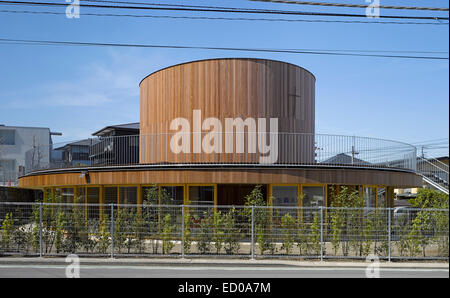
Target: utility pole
x: 353, y: 151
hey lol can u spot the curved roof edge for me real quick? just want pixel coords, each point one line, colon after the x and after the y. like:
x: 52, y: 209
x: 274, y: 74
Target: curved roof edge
x: 228, y: 58
x: 145, y: 167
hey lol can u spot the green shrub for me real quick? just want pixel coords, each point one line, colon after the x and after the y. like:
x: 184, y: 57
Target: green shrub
x: 167, y: 234
x: 7, y: 231
x: 205, y: 236
x: 288, y: 228
x: 234, y: 234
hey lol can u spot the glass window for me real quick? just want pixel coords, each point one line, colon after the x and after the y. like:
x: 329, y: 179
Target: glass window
x: 58, y: 193
x: 81, y: 195
x: 313, y: 196
x: 172, y: 195
x: 285, y: 196
x: 8, y: 170
x: 128, y: 195
x: 67, y: 195
x: 7, y: 137
x: 110, y: 195
x: 93, y: 197
x: 201, y: 195
x: 8, y: 165
x: 381, y: 197
x: 47, y: 194
x: 370, y: 197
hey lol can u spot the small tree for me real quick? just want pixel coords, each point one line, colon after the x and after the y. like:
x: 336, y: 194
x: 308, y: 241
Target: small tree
x: 381, y: 247
x: 167, y: 234
x: 346, y: 222
x: 75, y: 222
x: 233, y: 236
x: 337, y: 226
x: 49, y: 221
x: 315, y: 235
x: 91, y: 227
x: 7, y: 231
x: 368, y: 230
x: 21, y: 237
x: 288, y: 231
x: 219, y: 231
x: 60, y: 225
x: 150, y: 216
x: 205, y: 233
x: 441, y: 219
x: 139, y: 232
x: 302, y: 236
x: 261, y: 218
x: 402, y: 228
x: 104, y: 235
x: 188, y: 221
x: 120, y: 229
x: 35, y: 232
x: 414, y: 236
x: 429, y: 225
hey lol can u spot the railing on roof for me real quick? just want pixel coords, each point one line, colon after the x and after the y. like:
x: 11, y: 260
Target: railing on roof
x: 286, y: 149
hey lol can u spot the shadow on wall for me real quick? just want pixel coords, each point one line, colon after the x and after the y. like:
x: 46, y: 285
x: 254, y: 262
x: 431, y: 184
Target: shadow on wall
x: 13, y: 194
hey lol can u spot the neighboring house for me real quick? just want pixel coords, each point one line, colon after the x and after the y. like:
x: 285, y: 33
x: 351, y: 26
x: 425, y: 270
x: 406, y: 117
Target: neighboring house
x: 73, y: 154
x: 111, y: 149
x: 118, y: 130
x: 343, y: 158
x: 23, y: 149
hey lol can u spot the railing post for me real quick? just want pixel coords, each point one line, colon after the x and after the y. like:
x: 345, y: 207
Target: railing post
x: 321, y: 233
x: 182, y: 231
x: 253, y: 234
x: 389, y: 234
x: 40, y: 230
x: 112, y: 231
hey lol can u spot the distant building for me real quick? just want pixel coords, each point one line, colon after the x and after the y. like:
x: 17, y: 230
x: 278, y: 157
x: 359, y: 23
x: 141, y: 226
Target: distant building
x: 118, y: 144
x: 23, y: 149
x: 343, y: 158
x: 73, y: 154
x: 118, y: 130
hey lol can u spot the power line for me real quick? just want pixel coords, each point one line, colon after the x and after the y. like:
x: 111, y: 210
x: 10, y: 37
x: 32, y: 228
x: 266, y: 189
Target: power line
x: 354, y: 5
x: 224, y: 18
x: 228, y: 10
x: 287, y: 51
x: 432, y: 141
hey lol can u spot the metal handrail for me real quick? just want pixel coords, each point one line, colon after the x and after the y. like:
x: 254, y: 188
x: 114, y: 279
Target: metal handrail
x: 433, y: 175
x: 432, y: 164
x: 292, y: 149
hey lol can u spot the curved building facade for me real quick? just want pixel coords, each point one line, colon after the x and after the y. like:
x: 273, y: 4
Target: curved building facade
x: 211, y: 130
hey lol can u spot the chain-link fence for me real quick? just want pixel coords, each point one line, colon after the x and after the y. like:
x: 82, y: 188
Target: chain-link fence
x: 45, y: 229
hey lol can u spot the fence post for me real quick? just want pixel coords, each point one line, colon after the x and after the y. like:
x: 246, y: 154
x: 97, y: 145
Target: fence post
x: 321, y: 233
x: 253, y: 234
x: 182, y: 231
x: 389, y: 234
x: 40, y: 230
x: 112, y: 231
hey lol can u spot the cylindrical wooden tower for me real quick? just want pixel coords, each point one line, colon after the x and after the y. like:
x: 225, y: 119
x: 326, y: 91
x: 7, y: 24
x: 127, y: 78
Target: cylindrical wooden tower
x: 227, y: 88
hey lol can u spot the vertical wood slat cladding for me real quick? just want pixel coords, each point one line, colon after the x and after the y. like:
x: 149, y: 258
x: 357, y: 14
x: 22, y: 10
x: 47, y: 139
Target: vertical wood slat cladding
x: 228, y: 88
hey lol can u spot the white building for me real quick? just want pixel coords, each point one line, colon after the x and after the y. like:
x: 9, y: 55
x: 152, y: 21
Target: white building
x: 23, y: 148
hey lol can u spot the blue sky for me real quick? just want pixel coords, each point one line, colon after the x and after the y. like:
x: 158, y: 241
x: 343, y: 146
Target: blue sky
x: 78, y: 90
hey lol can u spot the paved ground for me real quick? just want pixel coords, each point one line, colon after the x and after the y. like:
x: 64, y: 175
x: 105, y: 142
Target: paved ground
x: 198, y: 271
x: 218, y: 268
